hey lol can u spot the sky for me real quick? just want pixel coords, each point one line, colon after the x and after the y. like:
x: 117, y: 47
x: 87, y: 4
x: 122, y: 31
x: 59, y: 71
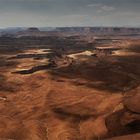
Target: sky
x: 67, y: 13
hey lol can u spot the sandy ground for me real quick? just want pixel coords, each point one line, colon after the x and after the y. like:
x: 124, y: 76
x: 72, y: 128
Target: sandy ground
x: 47, y: 109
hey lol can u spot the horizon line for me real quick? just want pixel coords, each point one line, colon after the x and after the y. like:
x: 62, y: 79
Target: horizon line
x: 69, y: 27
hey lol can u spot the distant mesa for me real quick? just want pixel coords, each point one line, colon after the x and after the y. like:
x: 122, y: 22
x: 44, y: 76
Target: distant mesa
x: 33, y: 29
x: 30, y: 32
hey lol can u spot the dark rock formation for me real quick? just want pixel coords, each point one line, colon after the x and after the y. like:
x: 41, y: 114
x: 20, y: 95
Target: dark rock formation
x: 33, y: 29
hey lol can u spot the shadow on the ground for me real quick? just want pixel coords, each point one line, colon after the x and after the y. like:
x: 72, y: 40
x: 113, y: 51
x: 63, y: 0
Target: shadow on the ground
x: 34, y: 69
x: 118, y: 76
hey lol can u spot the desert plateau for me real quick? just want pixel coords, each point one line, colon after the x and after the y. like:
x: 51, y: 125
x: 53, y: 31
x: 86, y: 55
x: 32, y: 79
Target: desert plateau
x: 70, y: 85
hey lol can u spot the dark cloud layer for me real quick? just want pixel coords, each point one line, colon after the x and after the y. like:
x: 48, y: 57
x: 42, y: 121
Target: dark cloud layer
x: 69, y: 13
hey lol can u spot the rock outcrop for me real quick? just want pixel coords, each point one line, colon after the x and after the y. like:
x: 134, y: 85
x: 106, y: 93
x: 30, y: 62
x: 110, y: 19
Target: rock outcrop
x: 125, y: 124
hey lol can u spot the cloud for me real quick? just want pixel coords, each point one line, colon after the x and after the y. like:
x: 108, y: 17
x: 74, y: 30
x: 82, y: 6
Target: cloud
x: 101, y: 7
x: 94, y: 5
x: 107, y: 8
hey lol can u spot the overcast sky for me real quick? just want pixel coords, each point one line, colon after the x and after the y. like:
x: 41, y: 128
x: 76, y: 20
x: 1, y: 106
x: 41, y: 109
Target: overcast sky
x: 52, y: 13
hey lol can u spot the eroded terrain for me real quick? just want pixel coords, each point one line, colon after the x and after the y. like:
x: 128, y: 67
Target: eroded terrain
x: 69, y: 88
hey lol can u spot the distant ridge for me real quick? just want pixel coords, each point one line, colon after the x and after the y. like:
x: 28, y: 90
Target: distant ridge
x: 43, y: 31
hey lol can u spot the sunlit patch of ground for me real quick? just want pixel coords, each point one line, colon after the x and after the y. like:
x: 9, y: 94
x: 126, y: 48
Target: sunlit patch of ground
x: 29, y: 63
x: 125, y: 53
x: 84, y: 53
x: 37, y: 51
